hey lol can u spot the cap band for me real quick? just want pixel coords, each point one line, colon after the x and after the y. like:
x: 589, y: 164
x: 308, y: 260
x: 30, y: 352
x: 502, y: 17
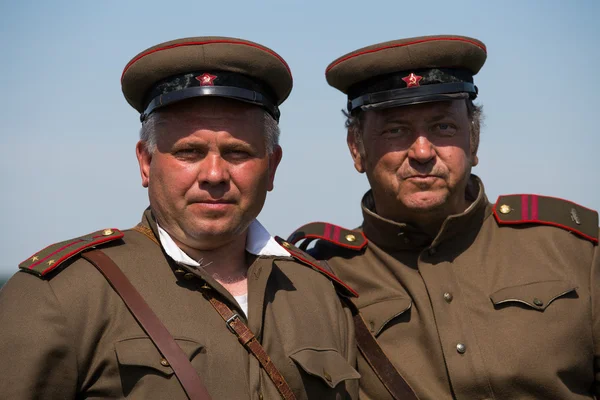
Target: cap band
x: 245, y: 95
x: 210, y: 83
x: 411, y: 95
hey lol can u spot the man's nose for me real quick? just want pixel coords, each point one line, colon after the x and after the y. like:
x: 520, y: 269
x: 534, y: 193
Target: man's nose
x: 422, y: 150
x: 214, y: 170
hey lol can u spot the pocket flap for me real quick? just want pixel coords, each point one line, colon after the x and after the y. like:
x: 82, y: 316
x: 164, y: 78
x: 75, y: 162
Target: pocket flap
x: 329, y: 365
x: 141, y: 351
x: 537, y: 295
x: 379, y: 314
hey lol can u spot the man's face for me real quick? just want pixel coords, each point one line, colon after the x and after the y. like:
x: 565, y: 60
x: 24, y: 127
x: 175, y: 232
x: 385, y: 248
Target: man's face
x: 417, y: 158
x: 210, y: 173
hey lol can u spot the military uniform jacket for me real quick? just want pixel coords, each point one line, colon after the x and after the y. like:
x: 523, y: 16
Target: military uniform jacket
x: 70, y: 335
x: 485, y: 310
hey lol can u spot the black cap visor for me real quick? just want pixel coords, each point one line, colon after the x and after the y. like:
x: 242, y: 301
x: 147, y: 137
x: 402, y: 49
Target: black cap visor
x: 413, y: 95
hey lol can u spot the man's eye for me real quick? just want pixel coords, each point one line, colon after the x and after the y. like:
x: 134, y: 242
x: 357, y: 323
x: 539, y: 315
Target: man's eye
x: 238, y: 154
x: 187, y: 153
x: 396, y: 131
x: 445, y: 129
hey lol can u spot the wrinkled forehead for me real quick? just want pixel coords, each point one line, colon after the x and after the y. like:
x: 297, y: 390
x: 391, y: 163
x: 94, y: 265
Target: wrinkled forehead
x: 201, y: 118
x: 198, y: 109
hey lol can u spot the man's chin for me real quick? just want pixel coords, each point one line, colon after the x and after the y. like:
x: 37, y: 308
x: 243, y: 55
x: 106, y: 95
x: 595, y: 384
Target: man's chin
x: 217, y: 229
x: 424, y: 202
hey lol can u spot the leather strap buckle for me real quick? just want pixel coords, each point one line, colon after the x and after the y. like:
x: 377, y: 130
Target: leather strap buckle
x: 230, y: 320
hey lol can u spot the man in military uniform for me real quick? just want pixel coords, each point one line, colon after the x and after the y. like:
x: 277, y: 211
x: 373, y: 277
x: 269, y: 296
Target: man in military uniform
x: 240, y: 308
x: 467, y: 299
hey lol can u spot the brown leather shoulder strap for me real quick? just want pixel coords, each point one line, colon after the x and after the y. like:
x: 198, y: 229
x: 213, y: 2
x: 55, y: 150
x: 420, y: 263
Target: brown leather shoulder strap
x: 182, y: 367
x: 395, y: 384
x: 381, y: 365
x: 248, y: 340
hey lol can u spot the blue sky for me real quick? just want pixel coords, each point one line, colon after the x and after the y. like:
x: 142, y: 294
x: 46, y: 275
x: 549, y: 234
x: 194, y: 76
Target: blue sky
x: 67, y: 137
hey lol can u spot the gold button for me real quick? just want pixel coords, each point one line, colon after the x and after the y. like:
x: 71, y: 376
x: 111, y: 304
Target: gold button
x: 164, y: 362
x: 189, y: 276
x: 538, y: 302
x: 448, y: 297
x: 350, y: 238
x: 107, y: 232
x: 260, y: 396
x: 179, y: 271
x: 505, y: 209
x: 285, y: 244
x: 461, y: 348
x: 327, y: 376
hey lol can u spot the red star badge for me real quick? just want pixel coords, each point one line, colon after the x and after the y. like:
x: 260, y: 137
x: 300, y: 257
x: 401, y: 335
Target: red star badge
x: 412, y: 80
x: 206, y: 79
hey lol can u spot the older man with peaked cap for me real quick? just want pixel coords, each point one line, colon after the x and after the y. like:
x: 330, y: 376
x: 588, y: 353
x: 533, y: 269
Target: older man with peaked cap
x: 246, y: 318
x: 467, y: 299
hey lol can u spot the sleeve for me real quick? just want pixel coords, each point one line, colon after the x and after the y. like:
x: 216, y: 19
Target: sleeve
x: 38, y: 360
x: 595, y: 292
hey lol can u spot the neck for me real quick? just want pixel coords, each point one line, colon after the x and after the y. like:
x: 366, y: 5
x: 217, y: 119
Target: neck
x: 227, y: 264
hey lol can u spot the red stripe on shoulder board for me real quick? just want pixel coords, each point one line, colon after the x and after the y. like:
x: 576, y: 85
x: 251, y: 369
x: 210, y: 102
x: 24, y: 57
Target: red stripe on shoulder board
x: 99, y: 240
x: 548, y: 223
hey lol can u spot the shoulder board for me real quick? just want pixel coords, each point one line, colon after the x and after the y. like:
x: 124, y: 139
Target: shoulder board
x: 319, y: 266
x: 349, y: 239
x: 518, y: 209
x: 48, y: 259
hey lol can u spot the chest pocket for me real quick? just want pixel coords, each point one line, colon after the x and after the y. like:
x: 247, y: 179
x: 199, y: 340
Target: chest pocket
x: 536, y: 295
x: 328, y: 365
x: 378, y: 315
x: 142, y: 367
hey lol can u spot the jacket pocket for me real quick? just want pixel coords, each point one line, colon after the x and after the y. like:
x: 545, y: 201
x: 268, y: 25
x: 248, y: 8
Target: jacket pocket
x: 328, y: 365
x: 536, y: 295
x: 378, y: 315
x: 141, y: 352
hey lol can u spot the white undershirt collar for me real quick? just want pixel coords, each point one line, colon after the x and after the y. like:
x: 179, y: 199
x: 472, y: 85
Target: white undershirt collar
x: 258, y: 242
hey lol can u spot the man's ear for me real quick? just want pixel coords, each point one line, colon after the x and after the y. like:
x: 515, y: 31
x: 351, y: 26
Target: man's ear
x: 144, y: 159
x: 274, y: 160
x: 475, y: 160
x: 356, y: 151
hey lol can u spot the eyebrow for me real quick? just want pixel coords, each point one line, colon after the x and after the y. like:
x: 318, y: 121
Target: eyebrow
x: 440, y: 117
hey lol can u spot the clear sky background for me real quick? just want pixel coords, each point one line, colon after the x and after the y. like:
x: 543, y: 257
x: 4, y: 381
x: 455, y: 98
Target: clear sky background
x: 67, y: 136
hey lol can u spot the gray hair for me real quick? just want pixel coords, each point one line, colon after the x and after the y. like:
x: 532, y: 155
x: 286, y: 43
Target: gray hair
x: 149, y: 130
x: 355, y: 120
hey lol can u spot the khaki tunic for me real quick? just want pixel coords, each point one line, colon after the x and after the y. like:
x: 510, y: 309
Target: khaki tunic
x: 481, y: 311
x: 71, y: 336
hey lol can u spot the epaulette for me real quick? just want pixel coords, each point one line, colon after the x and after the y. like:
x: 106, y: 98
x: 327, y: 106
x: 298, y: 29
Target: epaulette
x: 349, y: 239
x: 48, y: 259
x: 518, y: 209
x: 319, y: 266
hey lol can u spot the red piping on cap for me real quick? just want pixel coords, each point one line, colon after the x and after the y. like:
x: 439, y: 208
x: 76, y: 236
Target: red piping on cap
x: 203, y: 43
x: 402, y: 45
